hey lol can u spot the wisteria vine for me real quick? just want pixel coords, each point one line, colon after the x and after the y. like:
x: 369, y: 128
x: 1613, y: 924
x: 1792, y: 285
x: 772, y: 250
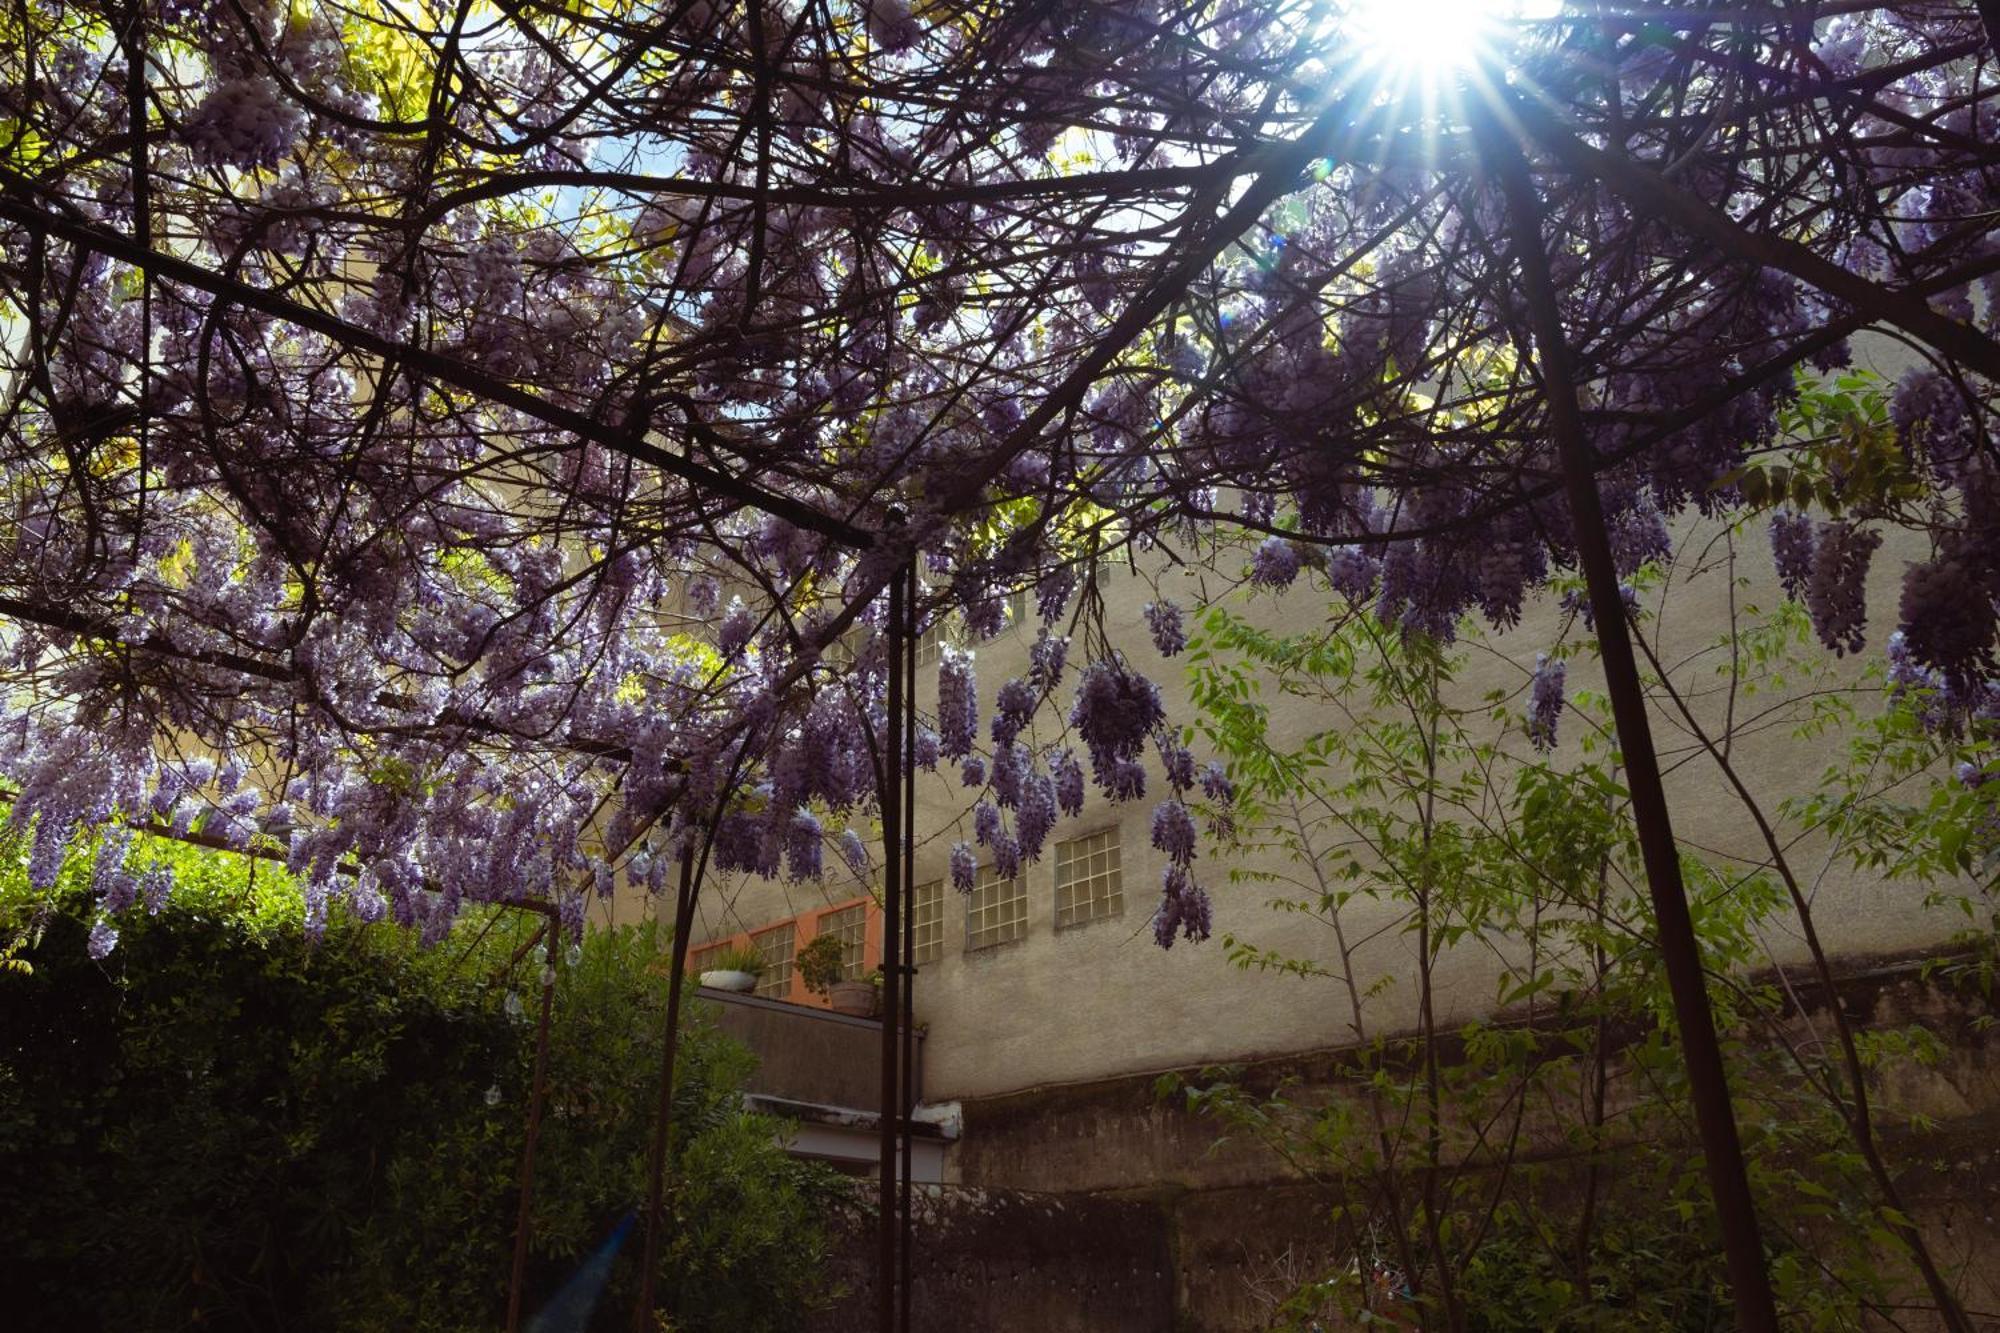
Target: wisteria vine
x: 444, y: 444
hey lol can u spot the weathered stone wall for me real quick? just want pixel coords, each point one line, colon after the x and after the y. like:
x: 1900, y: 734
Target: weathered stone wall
x: 1240, y: 1223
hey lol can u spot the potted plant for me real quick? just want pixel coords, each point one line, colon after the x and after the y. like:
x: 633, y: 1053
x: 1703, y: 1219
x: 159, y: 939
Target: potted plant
x: 736, y: 969
x: 820, y: 964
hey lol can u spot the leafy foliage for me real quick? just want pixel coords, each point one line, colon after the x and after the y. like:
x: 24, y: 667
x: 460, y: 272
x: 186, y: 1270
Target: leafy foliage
x: 819, y: 962
x: 224, y: 1125
x: 1532, y: 1170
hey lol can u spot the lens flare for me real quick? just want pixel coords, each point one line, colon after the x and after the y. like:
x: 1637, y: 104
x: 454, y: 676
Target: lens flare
x: 1438, y: 36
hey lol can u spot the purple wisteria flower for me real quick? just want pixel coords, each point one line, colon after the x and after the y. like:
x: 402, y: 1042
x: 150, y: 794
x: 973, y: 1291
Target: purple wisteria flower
x: 733, y: 634
x: 803, y: 846
x: 1037, y: 815
x: 1046, y: 656
x: 1215, y: 783
x: 1948, y: 619
x: 1012, y: 710
x: 1275, y: 563
x: 1067, y: 775
x: 964, y: 867
x: 1184, y: 910
x: 1115, y: 710
x: 1011, y: 764
x: 1123, y: 779
x: 1173, y: 831
x: 854, y: 852
x: 1545, y: 700
x: 1836, y: 590
x: 1006, y: 855
x: 1352, y: 572
x: 103, y: 939
x: 1163, y: 620
x: 1792, y: 550
x: 958, y: 703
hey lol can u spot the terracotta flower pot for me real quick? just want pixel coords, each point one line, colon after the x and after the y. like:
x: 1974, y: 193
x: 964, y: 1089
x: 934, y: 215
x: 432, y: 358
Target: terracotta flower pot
x: 858, y: 998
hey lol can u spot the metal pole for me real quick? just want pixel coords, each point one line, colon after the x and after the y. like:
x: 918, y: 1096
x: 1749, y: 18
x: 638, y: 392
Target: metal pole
x: 1708, y: 1083
x: 663, y: 1116
x: 908, y: 730
x: 536, y: 1094
x: 892, y: 991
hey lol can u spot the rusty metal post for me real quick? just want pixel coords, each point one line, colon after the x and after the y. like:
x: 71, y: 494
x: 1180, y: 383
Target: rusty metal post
x: 907, y: 733
x: 891, y: 799
x: 656, y: 1169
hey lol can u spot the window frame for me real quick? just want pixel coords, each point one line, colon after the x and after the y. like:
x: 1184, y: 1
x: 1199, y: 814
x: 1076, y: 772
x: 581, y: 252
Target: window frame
x: 1107, y: 906
x: 775, y: 981
x: 927, y: 929
x: 978, y: 939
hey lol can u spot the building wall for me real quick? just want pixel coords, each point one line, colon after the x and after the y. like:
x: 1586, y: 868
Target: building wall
x: 1101, y: 1000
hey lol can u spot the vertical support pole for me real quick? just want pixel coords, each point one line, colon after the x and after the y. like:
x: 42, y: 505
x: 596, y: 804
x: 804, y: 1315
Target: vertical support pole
x: 908, y: 739
x: 1722, y: 1150
x: 891, y: 800
x: 656, y: 1170
x: 537, y: 1093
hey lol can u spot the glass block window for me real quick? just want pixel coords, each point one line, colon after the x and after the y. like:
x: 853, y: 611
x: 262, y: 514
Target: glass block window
x: 996, y: 911
x: 1089, y: 884
x: 775, y: 946
x: 850, y: 926
x: 702, y: 957
x: 927, y: 922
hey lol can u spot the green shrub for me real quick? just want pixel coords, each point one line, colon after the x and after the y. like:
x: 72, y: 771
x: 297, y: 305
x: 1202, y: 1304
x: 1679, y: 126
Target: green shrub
x: 224, y: 1126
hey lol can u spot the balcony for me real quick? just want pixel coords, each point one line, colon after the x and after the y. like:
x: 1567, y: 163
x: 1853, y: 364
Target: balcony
x: 822, y: 1072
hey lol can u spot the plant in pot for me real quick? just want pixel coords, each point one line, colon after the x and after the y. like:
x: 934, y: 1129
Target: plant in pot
x: 820, y: 964
x: 735, y: 968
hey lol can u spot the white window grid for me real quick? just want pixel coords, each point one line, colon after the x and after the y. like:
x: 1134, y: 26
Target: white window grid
x: 930, y: 644
x: 927, y: 922
x: 996, y: 911
x: 776, y: 947
x: 850, y: 926
x: 1090, y: 884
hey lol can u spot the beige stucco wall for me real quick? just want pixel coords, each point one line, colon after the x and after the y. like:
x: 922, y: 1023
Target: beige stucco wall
x: 1102, y: 999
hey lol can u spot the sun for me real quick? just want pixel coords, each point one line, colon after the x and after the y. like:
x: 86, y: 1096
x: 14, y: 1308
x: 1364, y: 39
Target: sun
x: 1436, y: 37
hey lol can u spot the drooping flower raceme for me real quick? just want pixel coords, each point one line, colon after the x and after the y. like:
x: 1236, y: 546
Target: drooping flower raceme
x: 1792, y: 550
x: 964, y: 867
x: 1545, y: 700
x: 1114, y: 713
x: 958, y: 703
x: 1163, y: 622
x: 1836, y: 589
x: 1275, y: 563
x: 1173, y: 831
